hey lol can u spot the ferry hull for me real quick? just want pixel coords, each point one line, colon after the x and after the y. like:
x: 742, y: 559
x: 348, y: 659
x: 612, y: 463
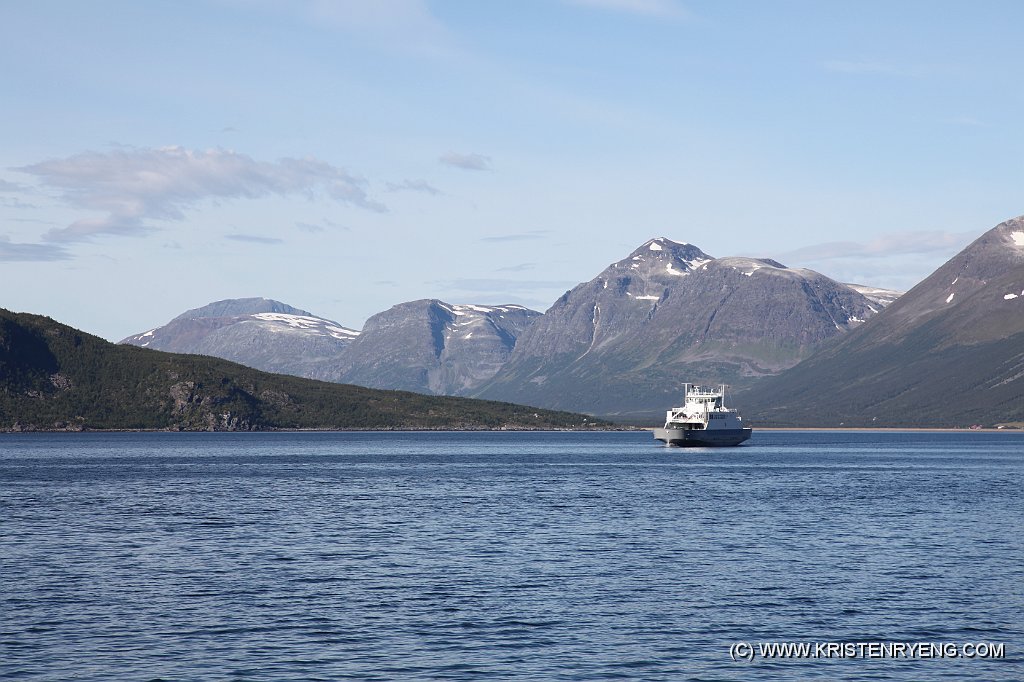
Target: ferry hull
x: 702, y: 438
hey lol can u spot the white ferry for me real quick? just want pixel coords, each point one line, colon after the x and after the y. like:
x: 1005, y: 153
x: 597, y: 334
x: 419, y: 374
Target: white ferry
x: 703, y: 420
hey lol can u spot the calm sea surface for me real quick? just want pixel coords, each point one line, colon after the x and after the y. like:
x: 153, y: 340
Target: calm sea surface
x: 469, y: 556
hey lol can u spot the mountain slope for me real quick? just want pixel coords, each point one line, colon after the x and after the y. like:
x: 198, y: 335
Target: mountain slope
x: 950, y: 352
x: 430, y: 346
x: 669, y: 313
x: 256, y: 332
x: 55, y: 377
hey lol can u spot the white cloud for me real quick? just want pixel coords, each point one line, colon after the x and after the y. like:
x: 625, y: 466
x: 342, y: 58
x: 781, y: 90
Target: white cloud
x: 136, y: 185
x: 662, y: 9
x: 466, y: 161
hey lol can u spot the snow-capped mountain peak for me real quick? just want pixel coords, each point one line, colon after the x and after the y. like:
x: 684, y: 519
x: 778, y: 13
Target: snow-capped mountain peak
x: 258, y: 332
x: 660, y: 257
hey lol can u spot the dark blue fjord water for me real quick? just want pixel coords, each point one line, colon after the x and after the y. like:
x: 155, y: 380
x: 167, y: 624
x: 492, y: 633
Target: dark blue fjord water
x: 522, y: 556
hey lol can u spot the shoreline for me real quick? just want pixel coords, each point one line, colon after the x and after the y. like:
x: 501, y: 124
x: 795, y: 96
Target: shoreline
x: 602, y: 429
x: 511, y: 429
x: 891, y: 429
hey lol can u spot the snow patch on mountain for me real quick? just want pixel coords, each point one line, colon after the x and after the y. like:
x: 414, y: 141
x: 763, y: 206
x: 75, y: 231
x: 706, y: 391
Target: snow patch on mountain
x: 660, y: 256
x: 877, y: 295
x: 137, y: 340
x: 1018, y: 238
x: 697, y: 262
x: 341, y: 333
x: 748, y: 266
x: 305, y: 323
x: 660, y: 243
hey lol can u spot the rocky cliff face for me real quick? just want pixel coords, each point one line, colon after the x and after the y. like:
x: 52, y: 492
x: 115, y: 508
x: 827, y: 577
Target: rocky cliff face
x: 667, y: 314
x: 257, y: 332
x: 950, y: 352
x: 430, y: 346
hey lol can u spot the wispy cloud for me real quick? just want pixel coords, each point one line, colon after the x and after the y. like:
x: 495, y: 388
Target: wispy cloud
x: 499, y: 284
x: 16, y: 203
x: 532, y: 293
x: 476, y: 162
x: 661, y: 9
x: 253, y: 239
x: 966, y: 121
x: 894, y: 244
x: 322, y: 226
x: 8, y: 187
x: 136, y: 185
x: 31, y: 220
x: 413, y: 186
x: 870, y: 67
x: 517, y: 236
x: 15, y: 251
x: 521, y: 267
x: 396, y: 25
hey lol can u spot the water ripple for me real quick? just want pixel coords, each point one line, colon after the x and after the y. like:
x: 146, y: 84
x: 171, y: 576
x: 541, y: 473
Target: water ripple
x: 503, y: 556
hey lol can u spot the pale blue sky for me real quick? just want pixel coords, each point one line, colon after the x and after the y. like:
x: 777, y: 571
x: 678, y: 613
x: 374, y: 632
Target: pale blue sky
x: 345, y: 156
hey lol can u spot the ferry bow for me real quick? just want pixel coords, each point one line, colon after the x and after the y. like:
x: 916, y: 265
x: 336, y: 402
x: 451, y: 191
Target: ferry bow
x: 703, y: 420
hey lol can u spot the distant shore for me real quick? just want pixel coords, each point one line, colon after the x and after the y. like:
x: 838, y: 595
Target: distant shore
x: 892, y: 429
x: 596, y: 428
x: 353, y: 429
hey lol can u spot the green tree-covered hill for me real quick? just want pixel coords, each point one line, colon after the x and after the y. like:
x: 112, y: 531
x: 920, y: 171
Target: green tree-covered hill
x: 55, y: 377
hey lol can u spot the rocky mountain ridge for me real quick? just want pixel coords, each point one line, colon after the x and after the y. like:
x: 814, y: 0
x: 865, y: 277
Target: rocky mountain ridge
x: 949, y: 352
x: 257, y: 332
x: 670, y: 313
x: 430, y: 346
x: 427, y: 346
x: 623, y: 342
